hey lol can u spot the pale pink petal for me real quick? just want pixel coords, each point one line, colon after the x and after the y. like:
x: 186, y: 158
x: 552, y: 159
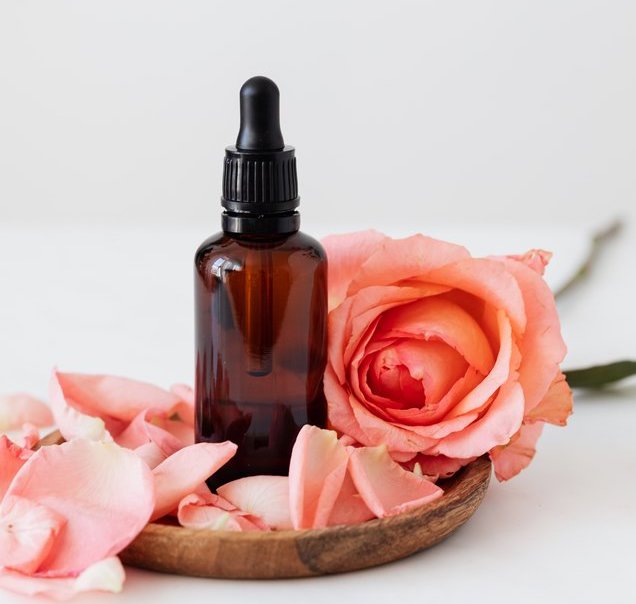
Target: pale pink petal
x: 385, y: 487
x: 145, y: 428
x: 27, y: 533
x: 500, y: 422
x: 104, y: 492
x: 212, y: 512
x: 317, y: 468
x: 535, y: 259
x: 181, y: 473
x: 30, y: 435
x: 186, y: 394
x: 556, y: 406
x: 21, y: 408
x: 72, y: 423
x: 106, y: 575
x: 396, y: 260
x: 510, y: 459
x: 12, y: 458
x: 349, y: 507
x: 264, y: 496
x: 345, y: 254
x: 117, y: 399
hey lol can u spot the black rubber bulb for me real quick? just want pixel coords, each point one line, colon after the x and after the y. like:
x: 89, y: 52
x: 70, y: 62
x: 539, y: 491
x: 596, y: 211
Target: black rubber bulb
x: 260, y: 116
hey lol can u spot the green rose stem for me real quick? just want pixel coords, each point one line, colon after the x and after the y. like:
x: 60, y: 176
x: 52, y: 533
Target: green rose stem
x: 600, y: 375
x: 599, y: 241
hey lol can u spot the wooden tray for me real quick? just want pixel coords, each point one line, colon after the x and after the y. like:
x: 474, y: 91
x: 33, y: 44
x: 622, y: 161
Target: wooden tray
x: 284, y: 554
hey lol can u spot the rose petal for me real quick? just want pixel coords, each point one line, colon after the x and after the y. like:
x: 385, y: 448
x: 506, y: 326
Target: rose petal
x: 542, y: 348
x: 556, y: 405
x: 316, y: 471
x: 500, y: 422
x: 346, y: 253
x: 438, y: 466
x: 117, y: 400
x: 439, y: 319
x: 264, y: 496
x: 104, y: 492
x: 509, y: 460
x: 12, y: 458
x: 212, y: 512
x: 144, y: 429
x: 181, y: 473
x: 71, y: 422
x: 106, y: 575
x: 386, y: 488
x: 21, y: 408
x: 349, y: 507
x: 27, y: 533
x: 397, y: 260
x: 535, y: 259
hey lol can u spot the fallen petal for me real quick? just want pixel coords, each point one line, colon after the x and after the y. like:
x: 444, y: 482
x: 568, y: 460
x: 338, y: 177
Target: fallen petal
x: 264, y: 496
x: 21, y: 408
x: 12, y: 458
x: 212, y: 512
x: 316, y: 471
x: 104, y: 492
x: 181, y: 473
x: 117, y: 400
x: 106, y: 575
x: 27, y: 533
x: 385, y: 487
x: 349, y: 508
x: 71, y: 422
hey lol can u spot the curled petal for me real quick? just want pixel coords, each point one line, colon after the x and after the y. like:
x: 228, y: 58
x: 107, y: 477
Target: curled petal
x: 117, y: 400
x: 181, y: 473
x: 21, y: 408
x: 186, y: 394
x: 438, y: 466
x: 535, y: 259
x: 104, y: 492
x: 27, y: 533
x: 349, y: 507
x: 556, y: 405
x: 106, y: 575
x: 12, y: 458
x: 144, y: 429
x: 264, y: 496
x: 212, y: 512
x: 386, y: 488
x: 72, y: 423
x: 500, y: 422
x: 542, y: 348
x: 316, y: 471
x: 510, y: 459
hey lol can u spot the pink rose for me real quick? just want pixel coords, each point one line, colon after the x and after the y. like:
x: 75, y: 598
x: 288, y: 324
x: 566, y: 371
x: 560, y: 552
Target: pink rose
x: 441, y: 356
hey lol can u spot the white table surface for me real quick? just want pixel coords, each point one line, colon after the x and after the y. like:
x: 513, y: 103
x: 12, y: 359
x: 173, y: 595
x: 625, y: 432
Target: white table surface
x: 119, y: 300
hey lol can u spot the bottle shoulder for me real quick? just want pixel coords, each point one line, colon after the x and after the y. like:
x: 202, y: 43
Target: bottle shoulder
x: 222, y: 243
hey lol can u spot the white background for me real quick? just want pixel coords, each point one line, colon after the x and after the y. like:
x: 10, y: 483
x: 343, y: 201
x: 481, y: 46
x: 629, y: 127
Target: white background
x: 498, y: 124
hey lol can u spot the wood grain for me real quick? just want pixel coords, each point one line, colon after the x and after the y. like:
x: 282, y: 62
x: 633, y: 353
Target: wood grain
x: 284, y: 554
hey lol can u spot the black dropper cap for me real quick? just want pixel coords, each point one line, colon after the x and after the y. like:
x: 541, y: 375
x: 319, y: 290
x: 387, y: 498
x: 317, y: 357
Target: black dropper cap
x: 260, y: 184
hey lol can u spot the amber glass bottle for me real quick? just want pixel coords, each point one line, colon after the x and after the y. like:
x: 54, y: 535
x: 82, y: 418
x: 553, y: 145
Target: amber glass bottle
x: 261, y: 303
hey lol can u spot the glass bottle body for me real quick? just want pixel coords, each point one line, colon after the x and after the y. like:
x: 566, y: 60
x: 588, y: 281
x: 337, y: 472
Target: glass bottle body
x: 261, y: 346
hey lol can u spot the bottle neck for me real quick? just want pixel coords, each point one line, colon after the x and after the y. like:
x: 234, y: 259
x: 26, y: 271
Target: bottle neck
x: 260, y: 224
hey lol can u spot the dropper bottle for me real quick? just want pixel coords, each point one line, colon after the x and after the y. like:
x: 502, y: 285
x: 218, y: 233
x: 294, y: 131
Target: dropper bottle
x: 260, y: 303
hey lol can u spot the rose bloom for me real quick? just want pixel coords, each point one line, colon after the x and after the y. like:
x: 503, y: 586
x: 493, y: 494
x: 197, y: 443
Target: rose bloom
x: 441, y: 356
